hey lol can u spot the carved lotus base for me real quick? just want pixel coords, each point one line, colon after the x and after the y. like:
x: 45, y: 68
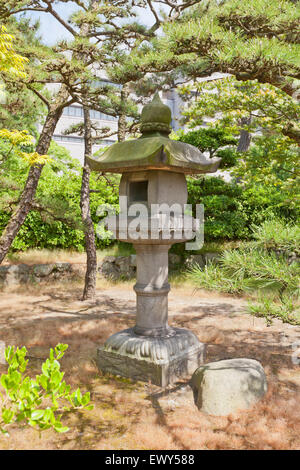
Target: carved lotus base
x: 160, y: 360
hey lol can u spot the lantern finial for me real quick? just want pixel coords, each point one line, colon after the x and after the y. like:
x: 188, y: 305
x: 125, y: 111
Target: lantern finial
x: 156, y: 117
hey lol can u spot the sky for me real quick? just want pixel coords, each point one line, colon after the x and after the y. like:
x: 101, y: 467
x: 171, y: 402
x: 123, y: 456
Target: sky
x: 51, y: 30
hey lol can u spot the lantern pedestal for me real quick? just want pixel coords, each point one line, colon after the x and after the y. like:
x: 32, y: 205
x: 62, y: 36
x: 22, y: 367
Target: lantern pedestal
x: 159, y: 360
x: 152, y: 350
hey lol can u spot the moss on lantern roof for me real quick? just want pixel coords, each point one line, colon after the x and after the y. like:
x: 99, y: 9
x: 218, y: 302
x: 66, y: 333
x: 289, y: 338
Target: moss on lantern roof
x: 154, y: 149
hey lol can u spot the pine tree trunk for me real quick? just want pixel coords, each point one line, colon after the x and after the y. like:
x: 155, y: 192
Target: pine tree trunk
x: 122, y: 116
x: 121, y: 127
x: 245, y: 136
x: 89, y: 290
x: 20, y: 213
x: 88, y: 226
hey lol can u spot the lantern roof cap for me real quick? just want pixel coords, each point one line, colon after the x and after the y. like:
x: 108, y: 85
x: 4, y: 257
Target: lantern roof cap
x: 156, y: 116
x: 154, y: 150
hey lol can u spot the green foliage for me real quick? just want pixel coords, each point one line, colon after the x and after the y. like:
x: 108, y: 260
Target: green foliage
x: 22, y: 143
x: 213, y: 140
x: 246, y: 38
x: 277, y: 235
x: 230, y: 209
x: 272, y: 162
x: 255, y: 270
x: 249, y: 269
x: 10, y: 62
x: 37, y: 402
x: 261, y: 270
x: 20, y: 109
x: 235, y: 105
x: 268, y: 309
x: 212, y: 278
x: 232, y: 102
x: 208, y: 139
x: 55, y: 221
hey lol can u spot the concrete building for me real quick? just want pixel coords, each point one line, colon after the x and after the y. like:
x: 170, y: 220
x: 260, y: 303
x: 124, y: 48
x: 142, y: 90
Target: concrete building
x: 74, y: 114
x: 75, y: 144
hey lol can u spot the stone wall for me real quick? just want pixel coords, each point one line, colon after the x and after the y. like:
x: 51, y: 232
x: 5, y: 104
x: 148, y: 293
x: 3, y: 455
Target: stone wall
x: 111, y: 267
x: 16, y: 274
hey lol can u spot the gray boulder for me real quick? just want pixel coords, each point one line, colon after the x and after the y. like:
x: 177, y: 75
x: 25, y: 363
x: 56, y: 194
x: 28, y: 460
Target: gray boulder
x: 3, y: 273
x: 63, y: 267
x: 174, y: 260
x: 194, y: 260
x: 224, y: 387
x: 119, y: 267
x: 211, y: 258
x: 133, y: 260
x: 13, y: 275
x: 43, y: 270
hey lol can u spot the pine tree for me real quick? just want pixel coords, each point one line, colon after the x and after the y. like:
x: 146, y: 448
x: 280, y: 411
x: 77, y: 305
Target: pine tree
x: 250, y: 39
x: 103, y: 35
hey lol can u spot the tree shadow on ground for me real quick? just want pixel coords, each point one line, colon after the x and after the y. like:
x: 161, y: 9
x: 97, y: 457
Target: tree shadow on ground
x: 44, y: 323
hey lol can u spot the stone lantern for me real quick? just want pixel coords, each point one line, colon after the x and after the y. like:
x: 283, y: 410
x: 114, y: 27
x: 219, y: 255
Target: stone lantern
x: 153, y: 169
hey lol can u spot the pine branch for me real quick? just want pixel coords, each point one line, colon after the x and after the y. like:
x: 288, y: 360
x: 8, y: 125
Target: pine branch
x: 38, y: 208
x: 59, y: 18
x: 40, y: 96
x: 157, y: 20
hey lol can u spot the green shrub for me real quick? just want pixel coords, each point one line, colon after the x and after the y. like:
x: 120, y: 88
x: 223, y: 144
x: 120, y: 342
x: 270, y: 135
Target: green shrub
x: 278, y: 235
x: 37, y: 402
x: 230, y: 210
x: 214, y: 278
x: 286, y: 310
x: 57, y: 224
x: 249, y: 269
x: 254, y: 270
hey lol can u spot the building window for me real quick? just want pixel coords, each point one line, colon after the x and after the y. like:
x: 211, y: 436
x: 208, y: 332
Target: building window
x: 79, y: 140
x: 76, y: 111
x: 106, y: 83
x: 68, y: 138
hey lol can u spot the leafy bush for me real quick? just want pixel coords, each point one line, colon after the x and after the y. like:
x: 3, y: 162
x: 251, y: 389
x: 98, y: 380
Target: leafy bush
x: 37, y: 402
x: 230, y: 210
x: 249, y: 269
x: 55, y: 221
x: 277, y: 235
x: 252, y: 269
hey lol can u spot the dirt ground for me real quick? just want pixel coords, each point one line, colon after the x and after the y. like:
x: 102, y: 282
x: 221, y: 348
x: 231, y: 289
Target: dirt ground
x: 130, y: 415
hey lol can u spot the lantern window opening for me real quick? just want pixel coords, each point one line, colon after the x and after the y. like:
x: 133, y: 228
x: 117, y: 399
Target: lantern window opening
x: 138, y: 191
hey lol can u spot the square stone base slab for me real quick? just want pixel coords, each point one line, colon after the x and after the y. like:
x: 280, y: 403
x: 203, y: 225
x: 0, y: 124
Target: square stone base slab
x: 162, y: 362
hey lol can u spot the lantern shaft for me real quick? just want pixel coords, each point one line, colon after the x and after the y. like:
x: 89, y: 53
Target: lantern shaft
x: 152, y: 290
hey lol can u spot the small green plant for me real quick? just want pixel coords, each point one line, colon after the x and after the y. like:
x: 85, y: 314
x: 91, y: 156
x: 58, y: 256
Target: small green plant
x: 214, y: 278
x: 255, y: 269
x: 268, y: 309
x: 37, y: 402
x: 276, y: 234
